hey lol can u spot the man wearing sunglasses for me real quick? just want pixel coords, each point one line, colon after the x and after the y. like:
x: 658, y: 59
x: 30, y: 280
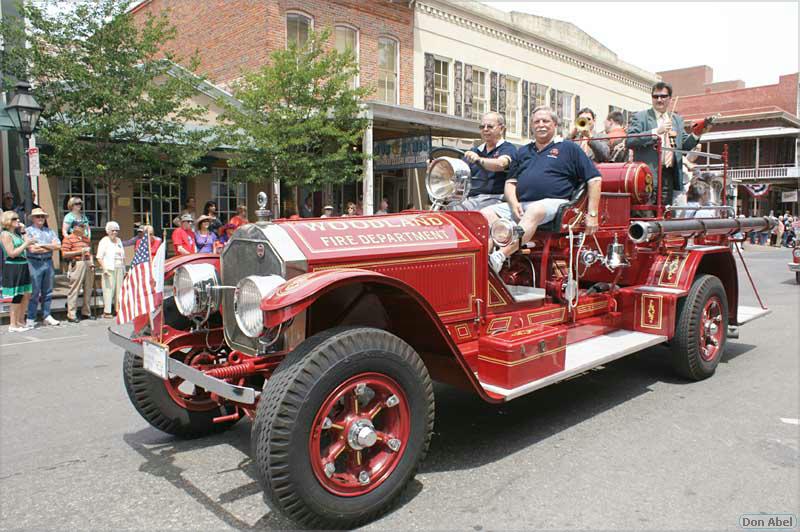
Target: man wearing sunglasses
x: 659, y: 121
x: 489, y: 164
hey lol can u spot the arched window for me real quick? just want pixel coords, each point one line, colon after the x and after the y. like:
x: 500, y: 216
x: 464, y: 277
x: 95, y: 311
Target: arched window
x: 388, y: 70
x: 298, y: 26
x: 347, y: 40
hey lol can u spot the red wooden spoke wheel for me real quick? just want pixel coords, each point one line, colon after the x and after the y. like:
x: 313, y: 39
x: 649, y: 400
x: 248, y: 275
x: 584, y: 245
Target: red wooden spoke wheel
x: 700, y: 329
x: 185, y: 394
x: 710, y: 337
x: 359, y: 434
x: 342, y: 425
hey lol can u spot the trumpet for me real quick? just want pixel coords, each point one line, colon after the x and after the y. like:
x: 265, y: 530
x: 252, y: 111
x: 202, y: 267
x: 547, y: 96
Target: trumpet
x: 582, y: 125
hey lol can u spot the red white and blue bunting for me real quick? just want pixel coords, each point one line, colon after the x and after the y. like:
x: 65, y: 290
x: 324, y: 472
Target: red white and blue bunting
x: 757, y: 190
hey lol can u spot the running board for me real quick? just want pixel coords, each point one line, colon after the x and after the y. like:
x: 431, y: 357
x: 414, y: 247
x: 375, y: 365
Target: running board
x: 747, y: 314
x: 585, y: 355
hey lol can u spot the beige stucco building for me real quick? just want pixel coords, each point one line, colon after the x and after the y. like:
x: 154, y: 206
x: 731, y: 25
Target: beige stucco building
x: 470, y: 57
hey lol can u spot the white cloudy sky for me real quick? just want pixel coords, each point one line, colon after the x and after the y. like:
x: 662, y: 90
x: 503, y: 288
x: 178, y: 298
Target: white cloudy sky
x: 752, y: 41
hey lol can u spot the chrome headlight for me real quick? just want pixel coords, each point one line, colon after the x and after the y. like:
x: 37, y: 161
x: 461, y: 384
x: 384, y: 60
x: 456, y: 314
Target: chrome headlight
x: 247, y: 302
x: 796, y: 253
x: 448, y: 179
x: 194, y: 287
x: 503, y: 232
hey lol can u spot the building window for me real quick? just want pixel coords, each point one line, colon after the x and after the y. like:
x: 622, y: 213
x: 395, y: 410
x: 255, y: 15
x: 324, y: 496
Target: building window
x: 347, y: 41
x: 387, y: 70
x: 512, y: 106
x: 297, y: 29
x: 441, y: 85
x: 147, y: 195
x: 93, y: 194
x: 226, y: 192
x: 479, y: 99
x: 539, y: 96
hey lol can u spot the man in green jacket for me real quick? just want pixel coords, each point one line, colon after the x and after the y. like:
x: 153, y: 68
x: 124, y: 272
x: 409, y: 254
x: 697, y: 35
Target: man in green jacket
x: 658, y: 121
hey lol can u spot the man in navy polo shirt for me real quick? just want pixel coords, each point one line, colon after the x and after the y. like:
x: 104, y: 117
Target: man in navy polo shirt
x: 489, y: 164
x: 547, y: 174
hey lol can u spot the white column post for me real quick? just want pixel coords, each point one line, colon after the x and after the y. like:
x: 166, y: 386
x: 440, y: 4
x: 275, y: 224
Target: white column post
x: 366, y: 147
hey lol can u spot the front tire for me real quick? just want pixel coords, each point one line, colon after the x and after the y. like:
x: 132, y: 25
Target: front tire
x: 172, y: 406
x: 701, y: 329
x: 342, y: 426
x: 797, y: 277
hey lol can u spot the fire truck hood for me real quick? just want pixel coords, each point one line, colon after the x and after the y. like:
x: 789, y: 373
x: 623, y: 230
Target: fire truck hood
x: 354, y: 239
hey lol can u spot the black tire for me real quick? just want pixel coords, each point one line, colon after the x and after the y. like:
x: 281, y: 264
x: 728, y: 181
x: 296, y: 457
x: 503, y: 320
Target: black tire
x: 151, y: 399
x: 797, y: 277
x: 687, y: 354
x: 291, y: 401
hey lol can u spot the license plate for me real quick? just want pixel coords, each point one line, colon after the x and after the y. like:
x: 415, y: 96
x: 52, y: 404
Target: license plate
x: 155, y: 359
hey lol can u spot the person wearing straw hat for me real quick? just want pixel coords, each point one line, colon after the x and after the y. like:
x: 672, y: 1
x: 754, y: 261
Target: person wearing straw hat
x: 327, y: 211
x: 40, y: 265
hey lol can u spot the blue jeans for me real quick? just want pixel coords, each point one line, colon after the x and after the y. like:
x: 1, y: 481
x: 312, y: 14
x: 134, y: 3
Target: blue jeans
x: 42, y: 284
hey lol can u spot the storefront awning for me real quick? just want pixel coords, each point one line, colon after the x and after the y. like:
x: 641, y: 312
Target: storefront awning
x: 394, y: 121
x: 5, y: 120
x: 738, y: 134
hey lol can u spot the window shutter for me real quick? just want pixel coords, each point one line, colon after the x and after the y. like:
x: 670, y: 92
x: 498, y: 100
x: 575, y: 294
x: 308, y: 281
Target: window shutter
x: 577, y: 104
x: 468, y: 91
x: 429, y: 82
x: 493, y: 91
x: 553, y: 94
x: 501, y: 94
x: 560, y: 105
x: 525, y: 86
x: 457, y: 88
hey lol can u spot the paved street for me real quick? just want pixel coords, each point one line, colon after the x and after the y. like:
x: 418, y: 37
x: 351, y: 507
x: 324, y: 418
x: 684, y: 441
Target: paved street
x: 626, y: 447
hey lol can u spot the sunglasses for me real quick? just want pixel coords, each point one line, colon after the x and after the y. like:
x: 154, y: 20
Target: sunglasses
x: 661, y: 96
x: 486, y: 126
x: 15, y: 219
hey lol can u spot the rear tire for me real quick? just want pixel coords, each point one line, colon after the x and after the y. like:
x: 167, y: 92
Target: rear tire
x: 700, y: 329
x: 797, y: 277
x: 309, y: 420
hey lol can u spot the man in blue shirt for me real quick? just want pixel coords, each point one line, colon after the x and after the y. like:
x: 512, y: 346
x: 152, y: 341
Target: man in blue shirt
x: 546, y: 175
x: 40, y: 265
x: 489, y: 164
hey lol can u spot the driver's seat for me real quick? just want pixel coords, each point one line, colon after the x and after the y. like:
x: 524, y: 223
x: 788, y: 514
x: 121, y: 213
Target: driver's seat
x: 554, y: 226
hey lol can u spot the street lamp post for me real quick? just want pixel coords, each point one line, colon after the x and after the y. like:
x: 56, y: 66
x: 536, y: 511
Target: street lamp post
x: 24, y: 112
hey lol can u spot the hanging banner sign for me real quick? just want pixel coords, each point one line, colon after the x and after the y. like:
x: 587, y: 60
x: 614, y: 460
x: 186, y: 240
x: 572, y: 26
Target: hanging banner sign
x: 757, y: 190
x: 33, y: 161
x: 395, y: 154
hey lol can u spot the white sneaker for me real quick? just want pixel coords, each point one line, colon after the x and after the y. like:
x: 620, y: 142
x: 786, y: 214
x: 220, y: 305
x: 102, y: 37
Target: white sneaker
x: 19, y: 329
x: 30, y: 324
x: 496, y: 261
x: 50, y: 320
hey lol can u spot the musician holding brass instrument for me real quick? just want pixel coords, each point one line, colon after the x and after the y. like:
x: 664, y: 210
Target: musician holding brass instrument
x: 662, y: 122
x: 583, y: 134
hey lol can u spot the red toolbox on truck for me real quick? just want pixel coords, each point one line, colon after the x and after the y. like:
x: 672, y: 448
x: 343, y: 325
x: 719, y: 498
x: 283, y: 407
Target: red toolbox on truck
x: 517, y: 357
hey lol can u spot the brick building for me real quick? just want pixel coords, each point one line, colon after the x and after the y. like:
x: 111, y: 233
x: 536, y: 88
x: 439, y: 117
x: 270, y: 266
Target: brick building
x: 760, y: 126
x: 238, y: 35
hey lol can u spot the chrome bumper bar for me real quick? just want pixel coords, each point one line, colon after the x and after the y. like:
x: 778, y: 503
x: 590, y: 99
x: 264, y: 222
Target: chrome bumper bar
x: 240, y: 394
x: 794, y: 266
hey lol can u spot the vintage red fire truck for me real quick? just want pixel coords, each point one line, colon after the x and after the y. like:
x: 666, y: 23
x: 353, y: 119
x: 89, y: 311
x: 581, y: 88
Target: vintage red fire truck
x: 328, y: 333
x: 794, y: 266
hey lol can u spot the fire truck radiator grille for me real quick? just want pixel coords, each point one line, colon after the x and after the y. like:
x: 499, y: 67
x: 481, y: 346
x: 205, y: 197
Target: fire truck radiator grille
x: 248, y: 253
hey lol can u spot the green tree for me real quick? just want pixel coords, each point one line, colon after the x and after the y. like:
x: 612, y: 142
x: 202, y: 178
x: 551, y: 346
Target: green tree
x: 299, y: 118
x: 117, y: 107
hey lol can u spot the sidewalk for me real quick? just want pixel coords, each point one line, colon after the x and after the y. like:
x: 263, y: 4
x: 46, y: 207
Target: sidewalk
x: 59, y: 305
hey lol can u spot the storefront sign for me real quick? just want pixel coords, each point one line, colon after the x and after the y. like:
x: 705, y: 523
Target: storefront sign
x: 394, y: 154
x: 789, y: 197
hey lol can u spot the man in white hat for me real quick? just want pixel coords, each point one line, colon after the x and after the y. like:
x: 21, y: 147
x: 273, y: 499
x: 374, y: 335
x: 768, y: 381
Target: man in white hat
x: 183, y: 236
x: 40, y: 265
x: 327, y: 211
